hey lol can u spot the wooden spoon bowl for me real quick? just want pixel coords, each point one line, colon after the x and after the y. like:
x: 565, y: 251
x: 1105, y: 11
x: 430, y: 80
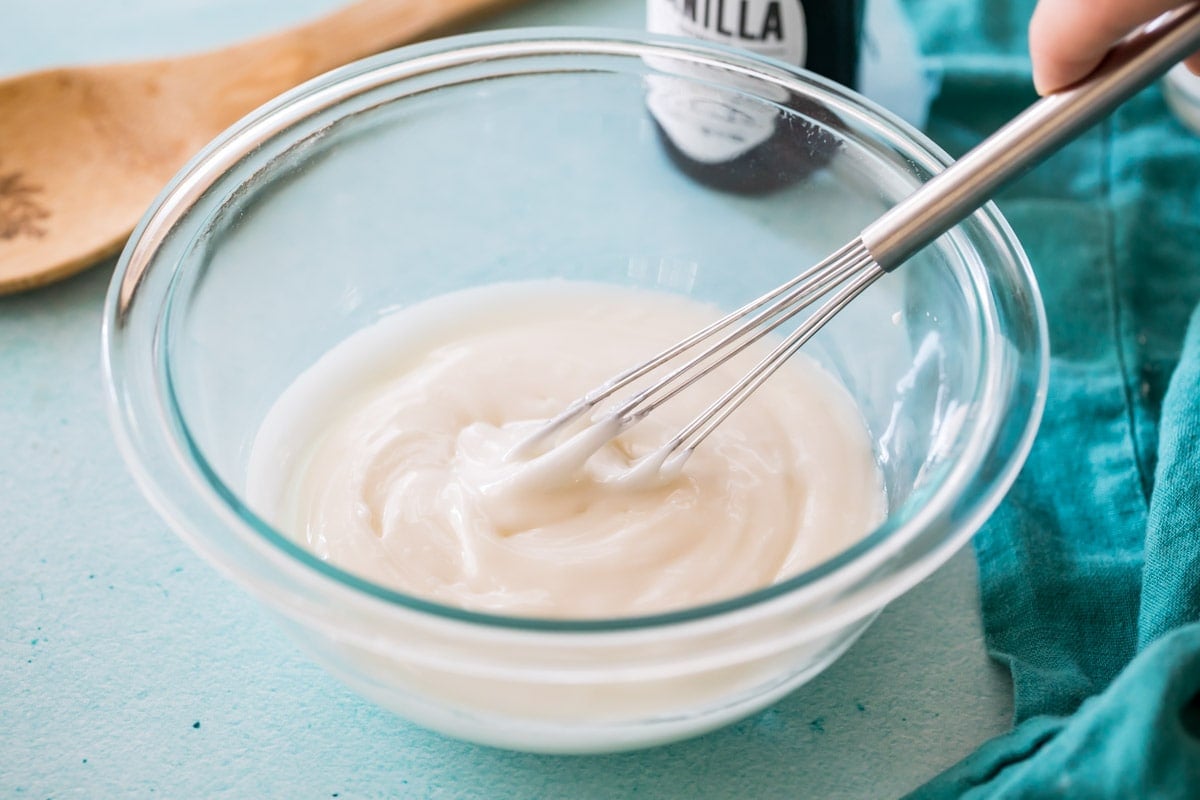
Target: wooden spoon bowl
x: 84, y: 151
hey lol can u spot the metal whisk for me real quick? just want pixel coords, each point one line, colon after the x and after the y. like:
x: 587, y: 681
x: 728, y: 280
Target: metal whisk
x: 930, y: 211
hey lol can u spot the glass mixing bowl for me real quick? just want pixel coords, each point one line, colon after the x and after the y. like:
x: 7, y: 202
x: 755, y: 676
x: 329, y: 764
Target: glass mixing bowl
x: 583, y: 155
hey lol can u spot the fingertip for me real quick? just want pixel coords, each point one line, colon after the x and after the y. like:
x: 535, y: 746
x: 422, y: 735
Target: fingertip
x: 1053, y: 74
x: 1068, y: 38
x: 1036, y: 52
x: 1050, y: 71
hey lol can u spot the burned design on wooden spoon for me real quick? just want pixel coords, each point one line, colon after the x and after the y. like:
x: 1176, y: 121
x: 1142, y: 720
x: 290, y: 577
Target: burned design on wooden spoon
x: 21, y: 214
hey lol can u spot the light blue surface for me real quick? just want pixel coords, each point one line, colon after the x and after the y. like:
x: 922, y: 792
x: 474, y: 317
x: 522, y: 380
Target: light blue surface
x: 116, y: 640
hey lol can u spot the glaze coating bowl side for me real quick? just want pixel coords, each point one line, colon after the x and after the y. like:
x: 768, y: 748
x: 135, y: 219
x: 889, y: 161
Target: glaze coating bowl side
x: 536, y: 154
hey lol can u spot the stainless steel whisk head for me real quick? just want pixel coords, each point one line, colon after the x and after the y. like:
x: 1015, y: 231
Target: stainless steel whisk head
x: 845, y: 274
x: 944, y: 201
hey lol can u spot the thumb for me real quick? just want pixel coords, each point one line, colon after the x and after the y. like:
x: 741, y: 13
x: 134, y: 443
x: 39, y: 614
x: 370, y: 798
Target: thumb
x: 1068, y: 38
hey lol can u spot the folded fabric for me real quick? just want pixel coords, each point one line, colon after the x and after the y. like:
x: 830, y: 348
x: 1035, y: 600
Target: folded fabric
x: 1090, y: 570
x: 1139, y: 739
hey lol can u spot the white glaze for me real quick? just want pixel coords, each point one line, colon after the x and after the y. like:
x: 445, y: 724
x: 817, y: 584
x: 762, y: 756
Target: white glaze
x: 388, y: 458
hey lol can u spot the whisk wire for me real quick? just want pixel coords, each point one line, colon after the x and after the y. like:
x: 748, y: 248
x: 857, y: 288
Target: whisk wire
x: 850, y: 268
x: 707, y: 421
x: 805, y: 288
x: 823, y: 277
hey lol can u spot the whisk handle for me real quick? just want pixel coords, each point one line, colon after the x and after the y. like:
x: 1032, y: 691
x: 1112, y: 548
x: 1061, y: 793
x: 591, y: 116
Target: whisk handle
x: 1044, y: 127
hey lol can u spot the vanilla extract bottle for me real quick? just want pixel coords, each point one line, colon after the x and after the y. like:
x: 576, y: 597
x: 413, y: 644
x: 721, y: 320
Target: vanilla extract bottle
x: 730, y: 141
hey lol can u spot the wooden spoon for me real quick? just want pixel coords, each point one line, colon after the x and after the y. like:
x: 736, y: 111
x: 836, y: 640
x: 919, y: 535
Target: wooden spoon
x: 83, y: 151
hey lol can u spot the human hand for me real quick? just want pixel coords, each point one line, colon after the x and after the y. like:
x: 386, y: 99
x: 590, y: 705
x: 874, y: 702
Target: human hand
x: 1067, y: 38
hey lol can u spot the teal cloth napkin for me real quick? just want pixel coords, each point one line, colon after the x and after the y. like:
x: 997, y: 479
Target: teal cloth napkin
x: 1090, y: 570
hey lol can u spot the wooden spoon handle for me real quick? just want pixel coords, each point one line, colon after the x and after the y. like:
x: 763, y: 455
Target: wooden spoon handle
x: 370, y: 26
x: 283, y: 59
x: 236, y: 79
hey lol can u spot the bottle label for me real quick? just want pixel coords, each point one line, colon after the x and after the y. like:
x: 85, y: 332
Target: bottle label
x: 710, y: 124
x: 772, y: 28
x: 704, y: 114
